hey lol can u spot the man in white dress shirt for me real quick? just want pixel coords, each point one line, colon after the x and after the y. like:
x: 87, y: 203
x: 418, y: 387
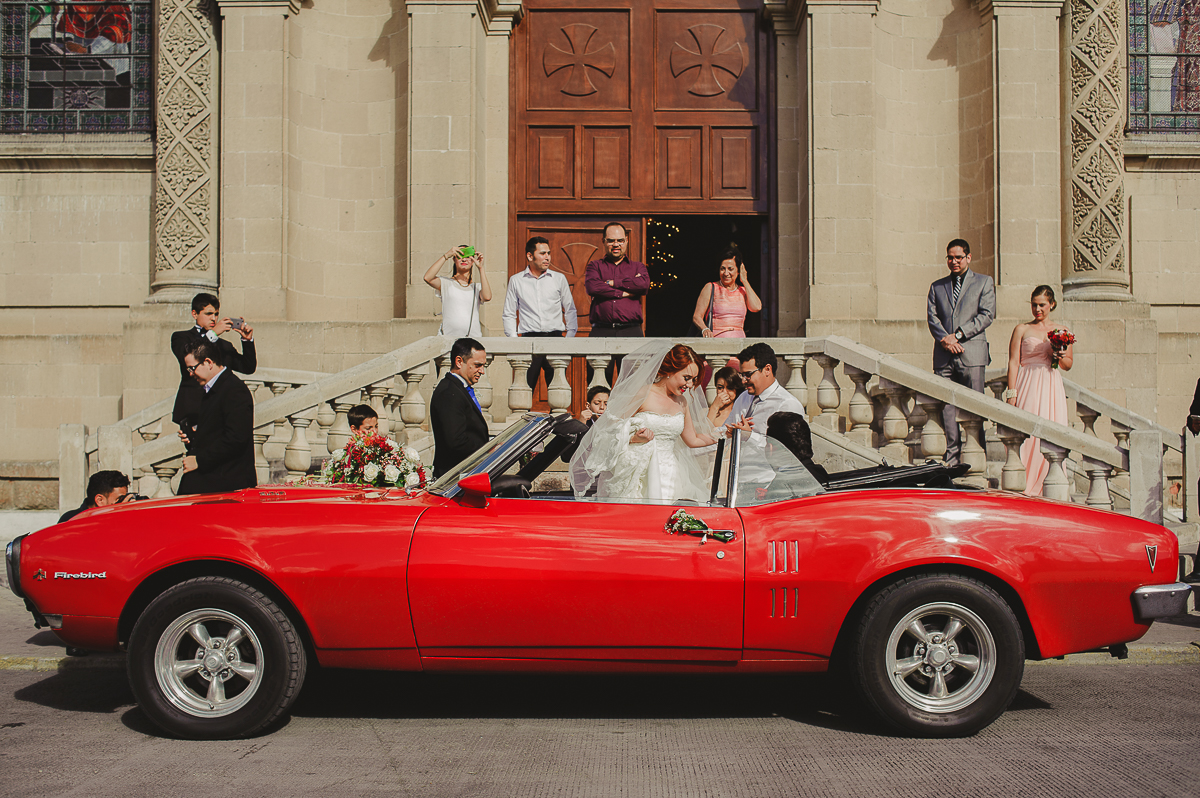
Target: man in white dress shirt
x: 764, y: 397
x: 538, y: 304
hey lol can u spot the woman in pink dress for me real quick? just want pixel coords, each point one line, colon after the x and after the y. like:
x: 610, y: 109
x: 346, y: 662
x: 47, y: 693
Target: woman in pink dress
x: 721, y: 307
x: 1033, y: 382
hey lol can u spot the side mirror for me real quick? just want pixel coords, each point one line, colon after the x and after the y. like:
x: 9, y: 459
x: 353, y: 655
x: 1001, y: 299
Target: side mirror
x: 476, y: 486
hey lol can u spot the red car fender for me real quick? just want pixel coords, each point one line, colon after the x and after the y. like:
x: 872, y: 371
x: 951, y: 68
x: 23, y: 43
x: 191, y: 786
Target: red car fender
x: 809, y: 561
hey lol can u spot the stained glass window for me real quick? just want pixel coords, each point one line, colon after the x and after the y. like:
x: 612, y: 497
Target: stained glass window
x: 1164, y: 66
x: 76, y: 67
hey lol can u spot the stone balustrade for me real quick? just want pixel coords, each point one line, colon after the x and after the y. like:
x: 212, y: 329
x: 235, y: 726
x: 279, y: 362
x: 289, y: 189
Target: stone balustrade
x: 892, y: 408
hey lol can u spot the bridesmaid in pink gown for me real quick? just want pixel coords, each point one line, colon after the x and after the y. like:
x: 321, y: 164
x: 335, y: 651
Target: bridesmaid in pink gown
x: 728, y: 299
x: 1033, y: 383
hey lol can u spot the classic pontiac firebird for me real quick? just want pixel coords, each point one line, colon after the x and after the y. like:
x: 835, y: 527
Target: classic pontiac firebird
x: 929, y: 597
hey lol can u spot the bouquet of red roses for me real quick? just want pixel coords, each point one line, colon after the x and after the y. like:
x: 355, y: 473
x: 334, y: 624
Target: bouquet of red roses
x: 1060, y: 339
x: 375, y: 460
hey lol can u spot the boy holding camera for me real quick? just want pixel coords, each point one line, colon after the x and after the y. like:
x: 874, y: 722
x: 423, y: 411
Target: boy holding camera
x: 206, y: 312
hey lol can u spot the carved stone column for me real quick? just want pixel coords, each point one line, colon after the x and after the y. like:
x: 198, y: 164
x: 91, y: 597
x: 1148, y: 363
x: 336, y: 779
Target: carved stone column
x: 1098, y: 266
x: 185, y: 208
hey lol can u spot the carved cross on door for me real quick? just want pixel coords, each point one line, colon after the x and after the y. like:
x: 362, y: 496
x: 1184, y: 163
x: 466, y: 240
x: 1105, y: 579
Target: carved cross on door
x: 708, y: 59
x: 602, y: 59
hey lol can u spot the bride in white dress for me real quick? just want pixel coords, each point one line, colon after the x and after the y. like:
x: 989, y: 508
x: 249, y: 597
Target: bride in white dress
x: 643, y: 446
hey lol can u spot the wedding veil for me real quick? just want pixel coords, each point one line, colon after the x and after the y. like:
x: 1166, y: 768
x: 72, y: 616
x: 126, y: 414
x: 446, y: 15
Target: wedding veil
x: 601, y: 447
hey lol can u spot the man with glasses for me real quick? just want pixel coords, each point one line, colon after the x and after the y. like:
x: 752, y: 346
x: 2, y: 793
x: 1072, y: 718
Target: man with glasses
x: 961, y: 305
x: 616, y: 285
x: 763, y: 398
x: 220, y: 450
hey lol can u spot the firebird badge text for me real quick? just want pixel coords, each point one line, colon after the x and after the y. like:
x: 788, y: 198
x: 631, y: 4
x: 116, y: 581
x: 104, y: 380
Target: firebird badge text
x: 81, y: 575
x: 1152, y: 556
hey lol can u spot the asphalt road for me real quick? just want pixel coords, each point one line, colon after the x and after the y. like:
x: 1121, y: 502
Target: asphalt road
x: 1121, y: 729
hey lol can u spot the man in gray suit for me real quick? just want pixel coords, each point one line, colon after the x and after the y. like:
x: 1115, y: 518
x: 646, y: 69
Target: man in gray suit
x: 961, y: 306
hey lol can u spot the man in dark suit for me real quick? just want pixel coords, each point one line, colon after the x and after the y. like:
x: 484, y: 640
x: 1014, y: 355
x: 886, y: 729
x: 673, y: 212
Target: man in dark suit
x: 455, y: 415
x: 221, y: 449
x: 206, y: 311
x: 961, y: 305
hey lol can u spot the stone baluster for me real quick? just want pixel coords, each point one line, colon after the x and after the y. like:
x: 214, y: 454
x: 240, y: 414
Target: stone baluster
x: 275, y: 445
x: 1055, y: 486
x: 253, y: 385
x: 599, y: 364
x: 998, y: 386
x: 325, y: 419
x: 797, y: 384
x: 412, y: 406
x: 1098, y: 475
x: 1120, y: 432
x: 973, y: 453
x: 339, y: 432
x: 895, y: 421
x: 916, y: 423
x: 483, y: 388
x: 520, y: 395
x: 933, y: 435
x: 165, y: 472
x: 261, y: 466
x: 861, y: 411
x: 441, y: 364
x: 1012, y: 475
x: 376, y: 392
x: 558, y: 392
x: 147, y: 481
x: 829, y: 394
x: 297, y: 457
x: 1088, y: 416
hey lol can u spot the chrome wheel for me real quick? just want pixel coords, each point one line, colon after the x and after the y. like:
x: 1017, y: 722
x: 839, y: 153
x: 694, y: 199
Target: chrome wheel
x: 209, y: 663
x: 941, y: 657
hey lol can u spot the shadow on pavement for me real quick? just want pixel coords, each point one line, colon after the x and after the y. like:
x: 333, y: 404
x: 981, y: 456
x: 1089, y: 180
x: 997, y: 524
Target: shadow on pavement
x: 76, y: 688
x: 805, y: 698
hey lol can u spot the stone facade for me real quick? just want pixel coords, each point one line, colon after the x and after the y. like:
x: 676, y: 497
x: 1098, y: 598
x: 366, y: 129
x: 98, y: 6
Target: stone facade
x: 312, y: 159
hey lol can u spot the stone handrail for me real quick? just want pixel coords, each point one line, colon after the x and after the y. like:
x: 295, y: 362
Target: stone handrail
x: 1123, y: 418
x: 902, y: 422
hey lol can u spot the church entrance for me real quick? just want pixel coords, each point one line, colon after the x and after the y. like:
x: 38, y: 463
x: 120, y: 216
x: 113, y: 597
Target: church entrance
x: 654, y: 115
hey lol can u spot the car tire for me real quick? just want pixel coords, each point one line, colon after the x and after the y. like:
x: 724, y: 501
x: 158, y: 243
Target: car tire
x: 213, y: 658
x: 938, y: 655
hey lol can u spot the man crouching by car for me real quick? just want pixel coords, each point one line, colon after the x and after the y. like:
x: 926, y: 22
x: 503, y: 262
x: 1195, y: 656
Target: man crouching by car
x: 221, y: 450
x: 104, y: 488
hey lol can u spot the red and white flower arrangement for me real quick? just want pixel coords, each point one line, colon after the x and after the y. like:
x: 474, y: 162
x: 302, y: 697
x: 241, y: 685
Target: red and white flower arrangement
x: 375, y: 460
x: 1060, y: 339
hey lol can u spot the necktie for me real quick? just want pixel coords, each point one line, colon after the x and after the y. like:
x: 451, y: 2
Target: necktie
x: 958, y: 281
x: 753, y: 406
x: 471, y: 391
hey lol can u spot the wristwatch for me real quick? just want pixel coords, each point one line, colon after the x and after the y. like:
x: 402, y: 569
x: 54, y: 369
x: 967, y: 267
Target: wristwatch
x: 958, y: 336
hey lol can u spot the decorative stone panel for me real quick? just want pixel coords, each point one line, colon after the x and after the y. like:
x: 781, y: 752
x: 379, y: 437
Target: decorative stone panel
x: 185, y: 212
x: 1097, y: 267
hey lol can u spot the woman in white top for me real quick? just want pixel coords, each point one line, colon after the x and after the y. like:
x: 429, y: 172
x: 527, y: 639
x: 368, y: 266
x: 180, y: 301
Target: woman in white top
x: 462, y: 298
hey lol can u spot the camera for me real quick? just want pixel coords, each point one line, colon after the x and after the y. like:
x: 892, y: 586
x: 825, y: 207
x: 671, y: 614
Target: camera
x: 468, y: 252
x: 132, y: 497
x: 237, y: 323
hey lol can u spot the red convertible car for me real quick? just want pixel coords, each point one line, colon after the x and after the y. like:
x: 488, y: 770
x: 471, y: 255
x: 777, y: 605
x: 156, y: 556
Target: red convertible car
x: 929, y: 597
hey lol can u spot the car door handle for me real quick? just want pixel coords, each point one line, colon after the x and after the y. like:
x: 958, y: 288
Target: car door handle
x: 723, y: 535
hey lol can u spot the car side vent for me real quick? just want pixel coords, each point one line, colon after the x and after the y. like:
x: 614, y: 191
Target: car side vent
x: 785, y: 602
x: 783, y: 556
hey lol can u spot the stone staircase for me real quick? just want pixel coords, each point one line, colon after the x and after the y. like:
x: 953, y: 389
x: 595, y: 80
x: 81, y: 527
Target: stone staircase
x: 865, y: 407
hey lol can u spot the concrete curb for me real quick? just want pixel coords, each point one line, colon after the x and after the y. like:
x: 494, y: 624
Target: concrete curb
x: 1161, y: 654
x: 92, y: 661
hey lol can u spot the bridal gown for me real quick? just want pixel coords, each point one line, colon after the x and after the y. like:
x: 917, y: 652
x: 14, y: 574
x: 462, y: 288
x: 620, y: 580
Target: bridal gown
x: 651, y: 470
x: 1040, y: 391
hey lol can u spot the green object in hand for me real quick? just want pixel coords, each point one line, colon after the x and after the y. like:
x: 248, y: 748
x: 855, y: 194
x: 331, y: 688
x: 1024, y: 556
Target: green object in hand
x: 468, y: 252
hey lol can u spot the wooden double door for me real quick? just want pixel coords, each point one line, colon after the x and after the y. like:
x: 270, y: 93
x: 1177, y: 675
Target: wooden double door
x: 627, y: 110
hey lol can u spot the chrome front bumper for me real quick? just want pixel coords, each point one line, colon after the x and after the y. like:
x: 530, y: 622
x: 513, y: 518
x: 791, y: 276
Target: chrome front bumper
x: 1160, y: 601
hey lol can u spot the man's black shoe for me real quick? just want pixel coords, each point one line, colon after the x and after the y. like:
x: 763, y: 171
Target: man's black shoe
x: 1193, y: 578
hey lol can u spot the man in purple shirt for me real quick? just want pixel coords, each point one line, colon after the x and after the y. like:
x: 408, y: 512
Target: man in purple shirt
x: 616, y: 286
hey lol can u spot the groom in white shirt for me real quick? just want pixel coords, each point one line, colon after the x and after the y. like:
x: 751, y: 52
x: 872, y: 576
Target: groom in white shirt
x: 764, y: 397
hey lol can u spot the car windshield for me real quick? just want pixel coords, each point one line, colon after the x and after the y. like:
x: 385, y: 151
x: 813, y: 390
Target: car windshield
x: 494, y: 456
x: 772, y: 474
